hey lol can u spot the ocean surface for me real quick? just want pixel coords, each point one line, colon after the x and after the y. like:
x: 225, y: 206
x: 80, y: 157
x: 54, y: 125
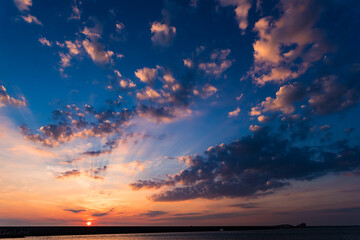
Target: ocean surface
x: 337, y: 233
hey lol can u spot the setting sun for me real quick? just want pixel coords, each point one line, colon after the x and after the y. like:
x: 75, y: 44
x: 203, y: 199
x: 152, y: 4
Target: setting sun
x: 88, y: 223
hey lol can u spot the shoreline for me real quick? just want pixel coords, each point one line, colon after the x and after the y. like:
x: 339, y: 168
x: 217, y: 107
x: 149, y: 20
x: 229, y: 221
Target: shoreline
x: 21, y: 232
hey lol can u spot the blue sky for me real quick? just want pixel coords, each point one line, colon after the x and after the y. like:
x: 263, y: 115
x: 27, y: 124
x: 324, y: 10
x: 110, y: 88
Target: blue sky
x: 234, y: 102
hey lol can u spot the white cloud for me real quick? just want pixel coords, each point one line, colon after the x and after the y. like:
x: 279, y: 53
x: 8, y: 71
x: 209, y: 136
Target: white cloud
x: 147, y: 75
x: 96, y: 52
x: 65, y: 59
x: 74, y: 47
x: 219, y: 63
x: 234, y: 113
x: 254, y: 128
x: 241, y: 11
x: 239, y: 97
x: 23, y: 5
x: 91, y: 32
x: 45, y: 42
x: 148, y: 93
x: 117, y: 73
x: 31, y: 19
x: 127, y: 83
x: 188, y: 63
x: 75, y: 13
x: 163, y: 34
x: 284, y: 100
x: 5, y: 99
x: 285, y: 41
x: 119, y: 26
x: 263, y: 119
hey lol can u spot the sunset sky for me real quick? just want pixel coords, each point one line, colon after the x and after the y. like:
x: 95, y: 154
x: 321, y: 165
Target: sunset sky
x: 179, y: 112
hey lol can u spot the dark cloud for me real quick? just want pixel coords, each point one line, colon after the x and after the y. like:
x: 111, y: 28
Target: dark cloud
x: 101, y: 214
x: 151, y: 184
x: 329, y: 95
x: 157, y: 114
x: 245, y: 205
x: 256, y: 164
x: 186, y: 214
x: 153, y: 213
x: 75, y: 210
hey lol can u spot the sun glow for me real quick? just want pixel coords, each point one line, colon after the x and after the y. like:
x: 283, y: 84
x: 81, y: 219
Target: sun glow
x: 88, y: 223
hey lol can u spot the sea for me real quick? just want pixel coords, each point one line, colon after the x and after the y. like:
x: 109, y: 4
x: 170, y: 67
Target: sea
x: 318, y: 233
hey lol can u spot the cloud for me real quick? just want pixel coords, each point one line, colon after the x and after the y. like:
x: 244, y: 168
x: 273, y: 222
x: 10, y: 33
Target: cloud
x: 74, y: 47
x: 45, y: 42
x: 163, y: 34
x: 76, y: 13
x: 65, y: 59
x: 31, y: 19
x: 153, y: 213
x: 96, y: 52
x: 288, y: 46
x: 207, y: 91
x: 127, y: 83
x: 148, y: 93
x: 157, y: 114
x: 147, y: 75
x: 234, y: 113
x: 285, y: 98
x: 23, y: 5
x: 93, y: 173
x: 239, y: 97
x: 219, y: 63
x: 119, y: 26
x: 327, y: 95
x: 188, y: 62
x: 91, y: 32
x: 241, y: 11
x: 101, y: 214
x: 5, y: 99
x: 75, y: 210
x: 245, y: 205
x: 255, y: 128
x: 263, y: 119
x: 74, y: 122
x: 71, y: 173
x: 255, y: 164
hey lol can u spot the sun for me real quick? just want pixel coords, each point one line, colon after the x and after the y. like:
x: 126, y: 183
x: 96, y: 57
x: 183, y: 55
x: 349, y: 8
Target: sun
x: 88, y: 223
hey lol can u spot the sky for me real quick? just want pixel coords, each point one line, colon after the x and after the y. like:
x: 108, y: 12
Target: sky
x: 179, y: 112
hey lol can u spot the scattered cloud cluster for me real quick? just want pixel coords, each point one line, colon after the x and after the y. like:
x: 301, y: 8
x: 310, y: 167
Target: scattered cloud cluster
x: 219, y: 63
x: 74, y: 122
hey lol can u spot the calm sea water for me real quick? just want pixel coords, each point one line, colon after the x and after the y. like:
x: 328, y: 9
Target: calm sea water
x: 348, y: 233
